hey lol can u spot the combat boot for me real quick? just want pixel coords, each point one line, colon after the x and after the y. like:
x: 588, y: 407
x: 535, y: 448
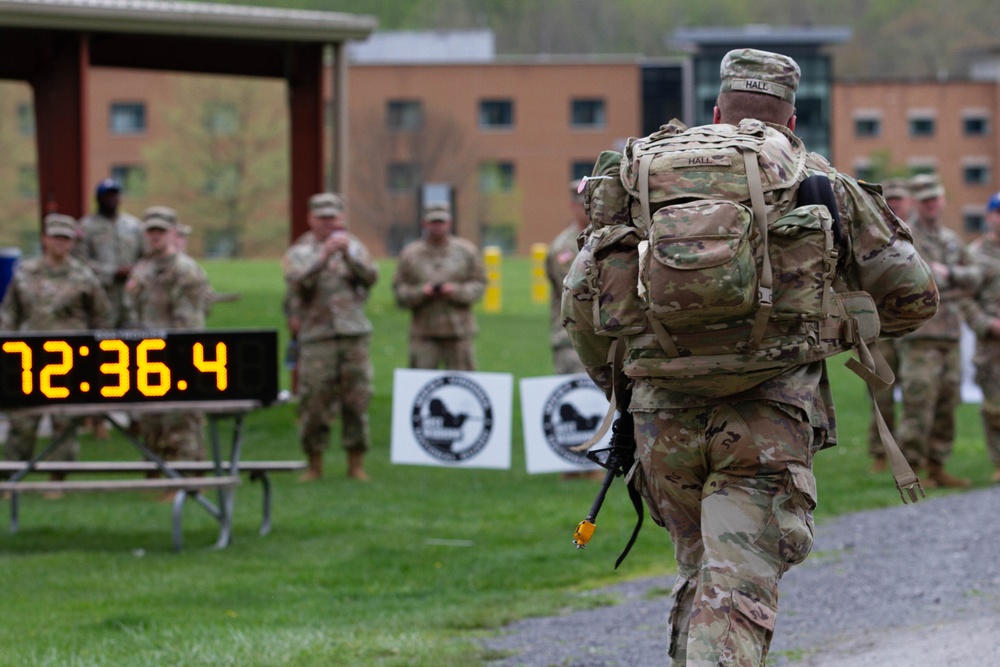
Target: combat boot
x: 944, y: 480
x: 315, y: 469
x: 355, y: 465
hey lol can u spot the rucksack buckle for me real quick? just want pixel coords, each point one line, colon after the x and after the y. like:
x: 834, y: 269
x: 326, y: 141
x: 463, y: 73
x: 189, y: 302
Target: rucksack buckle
x: 911, y: 491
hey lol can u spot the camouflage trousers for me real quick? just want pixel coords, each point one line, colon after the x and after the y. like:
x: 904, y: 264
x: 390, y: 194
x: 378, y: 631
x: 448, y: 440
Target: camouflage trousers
x: 733, y: 485
x: 23, y: 434
x: 566, y: 361
x: 174, y: 436
x: 930, y: 373
x: 453, y: 354
x: 335, y: 375
x: 988, y: 379
x: 885, y: 400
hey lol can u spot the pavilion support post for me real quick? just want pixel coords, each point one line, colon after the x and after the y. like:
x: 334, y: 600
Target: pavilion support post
x: 305, y: 95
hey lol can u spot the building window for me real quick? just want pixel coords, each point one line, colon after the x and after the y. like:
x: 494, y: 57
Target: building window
x: 128, y: 117
x: 975, y: 126
x: 25, y: 120
x: 27, y: 181
x: 921, y: 126
x: 402, y: 177
x: 587, y: 113
x: 132, y: 177
x: 496, y: 177
x: 220, y: 119
x: 580, y: 169
x: 976, y: 174
x: 867, y: 127
x: 404, y: 115
x: 974, y: 222
x: 495, y: 114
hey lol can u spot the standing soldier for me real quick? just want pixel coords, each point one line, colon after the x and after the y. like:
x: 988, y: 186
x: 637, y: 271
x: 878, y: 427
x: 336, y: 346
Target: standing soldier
x: 54, y: 292
x: 560, y: 256
x: 168, y: 290
x: 897, y: 195
x: 439, y: 277
x: 983, y: 316
x: 930, y: 359
x: 110, y: 244
x: 725, y: 437
x: 329, y: 275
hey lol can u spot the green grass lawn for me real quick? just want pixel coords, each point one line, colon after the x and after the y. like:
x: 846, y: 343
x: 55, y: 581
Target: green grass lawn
x: 353, y: 573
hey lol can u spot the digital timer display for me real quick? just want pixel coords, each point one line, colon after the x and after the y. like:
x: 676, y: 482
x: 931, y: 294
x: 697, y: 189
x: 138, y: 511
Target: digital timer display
x: 135, y: 366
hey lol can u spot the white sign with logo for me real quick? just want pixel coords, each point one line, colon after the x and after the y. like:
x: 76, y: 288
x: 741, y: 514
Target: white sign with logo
x: 451, y: 418
x: 558, y: 413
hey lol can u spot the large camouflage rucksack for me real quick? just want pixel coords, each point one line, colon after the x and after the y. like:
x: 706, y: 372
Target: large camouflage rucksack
x: 708, y: 264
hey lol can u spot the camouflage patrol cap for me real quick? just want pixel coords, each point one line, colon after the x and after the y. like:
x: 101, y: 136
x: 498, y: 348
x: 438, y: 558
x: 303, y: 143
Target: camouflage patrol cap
x: 898, y: 188
x: 326, y: 205
x: 159, y: 217
x: 57, y: 224
x: 437, y: 211
x: 753, y: 71
x: 926, y: 186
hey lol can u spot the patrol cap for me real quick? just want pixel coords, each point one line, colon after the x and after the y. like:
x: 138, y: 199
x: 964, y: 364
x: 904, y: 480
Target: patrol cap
x: 108, y: 185
x: 159, y: 217
x: 437, y: 211
x: 896, y: 187
x: 57, y: 224
x: 994, y: 203
x: 326, y: 205
x: 926, y: 186
x: 575, y: 192
x: 753, y: 71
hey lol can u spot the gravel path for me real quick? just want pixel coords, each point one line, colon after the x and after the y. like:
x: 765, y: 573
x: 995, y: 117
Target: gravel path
x: 910, y: 585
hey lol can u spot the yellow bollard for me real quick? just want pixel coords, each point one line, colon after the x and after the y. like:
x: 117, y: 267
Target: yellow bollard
x: 539, y: 281
x: 493, y: 300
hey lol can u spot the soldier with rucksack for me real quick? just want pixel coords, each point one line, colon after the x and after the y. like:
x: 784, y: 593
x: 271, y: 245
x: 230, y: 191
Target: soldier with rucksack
x: 724, y: 264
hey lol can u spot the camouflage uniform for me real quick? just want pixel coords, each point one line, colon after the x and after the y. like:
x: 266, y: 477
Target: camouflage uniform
x: 334, y: 365
x: 442, y: 328
x: 170, y: 293
x: 46, y: 298
x: 106, y: 245
x: 930, y: 363
x: 731, y: 477
x: 560, y: 256
x: 979, y: 311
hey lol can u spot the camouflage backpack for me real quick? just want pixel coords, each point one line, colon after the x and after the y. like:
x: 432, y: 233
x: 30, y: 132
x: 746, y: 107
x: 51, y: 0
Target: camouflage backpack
x: 711, y: 268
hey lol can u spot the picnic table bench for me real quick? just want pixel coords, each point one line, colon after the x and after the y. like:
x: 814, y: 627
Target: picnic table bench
x: 259, y: 471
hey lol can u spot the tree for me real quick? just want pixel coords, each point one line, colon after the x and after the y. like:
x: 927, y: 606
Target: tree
x: 392, y: 164
x: 18, y: 169
x: 223, y: 163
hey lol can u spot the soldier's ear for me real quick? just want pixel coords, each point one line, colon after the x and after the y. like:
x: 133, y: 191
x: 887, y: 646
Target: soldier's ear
x: 716, y: 115
x: 791, y: 123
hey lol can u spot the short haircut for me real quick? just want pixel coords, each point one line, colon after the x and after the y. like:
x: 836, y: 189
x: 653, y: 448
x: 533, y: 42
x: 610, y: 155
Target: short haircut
x: 735, y: 105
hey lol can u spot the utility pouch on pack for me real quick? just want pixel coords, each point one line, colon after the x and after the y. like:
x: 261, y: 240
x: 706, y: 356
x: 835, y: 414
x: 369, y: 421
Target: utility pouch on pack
x: 803, y: 264
x: 699, y: 266
x: 611, y: 276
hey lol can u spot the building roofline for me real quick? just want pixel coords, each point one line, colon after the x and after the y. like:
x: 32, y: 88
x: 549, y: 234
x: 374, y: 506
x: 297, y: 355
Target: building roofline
x: 755, y: 35
x: 186, y: 19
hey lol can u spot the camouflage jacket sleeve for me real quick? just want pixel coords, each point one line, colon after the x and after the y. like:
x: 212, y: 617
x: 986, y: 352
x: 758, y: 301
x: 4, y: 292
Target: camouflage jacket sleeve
x: 407, y: 285
x: 361, y: 263
x: 11, y: 309
x: 471, y: 282
x: 101, y: 315
x: 881, y: 259
x: 188, y: 295
x: 302, y: 265
x: 983, y: 306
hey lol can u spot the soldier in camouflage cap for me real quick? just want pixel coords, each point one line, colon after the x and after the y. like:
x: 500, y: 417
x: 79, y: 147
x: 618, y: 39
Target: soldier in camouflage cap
x: 168, y: 290
x: 930, y: 360
x: 982, y: 312
x: 730, y: 476
x: 439, y: 277
x: 54, y: 292
x: 329, y: 275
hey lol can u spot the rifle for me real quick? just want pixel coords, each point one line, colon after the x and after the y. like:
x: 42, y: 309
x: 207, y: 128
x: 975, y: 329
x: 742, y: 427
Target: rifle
x: 618, y: 459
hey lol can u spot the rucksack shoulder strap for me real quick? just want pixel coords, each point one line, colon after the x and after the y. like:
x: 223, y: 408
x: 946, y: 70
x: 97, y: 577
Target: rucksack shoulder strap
x: 765, y: 286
